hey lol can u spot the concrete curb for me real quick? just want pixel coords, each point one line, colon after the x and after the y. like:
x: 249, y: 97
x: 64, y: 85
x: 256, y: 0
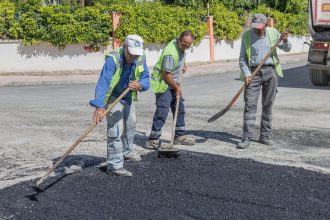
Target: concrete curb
x: 233, y: 65
x: 6, y: 81
x: 51, y: 73
x: 90, y: 76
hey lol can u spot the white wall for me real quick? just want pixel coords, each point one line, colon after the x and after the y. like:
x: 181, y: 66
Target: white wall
x: 14, y: 57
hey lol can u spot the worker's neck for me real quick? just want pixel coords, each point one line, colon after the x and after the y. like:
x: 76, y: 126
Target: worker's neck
x: 260, y: 33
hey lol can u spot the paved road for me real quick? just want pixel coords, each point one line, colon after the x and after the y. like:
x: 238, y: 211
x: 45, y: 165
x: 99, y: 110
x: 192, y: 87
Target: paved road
x: 39, y: 123
x: 194, y: 186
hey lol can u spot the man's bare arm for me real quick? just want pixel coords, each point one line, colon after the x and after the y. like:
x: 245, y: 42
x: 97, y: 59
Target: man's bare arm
x: 169, y: 80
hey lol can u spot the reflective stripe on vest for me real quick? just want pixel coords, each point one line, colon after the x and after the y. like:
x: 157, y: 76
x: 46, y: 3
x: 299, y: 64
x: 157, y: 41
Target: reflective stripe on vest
x: 272, y: 34
x: 158, y: 84
x: 139, y: 69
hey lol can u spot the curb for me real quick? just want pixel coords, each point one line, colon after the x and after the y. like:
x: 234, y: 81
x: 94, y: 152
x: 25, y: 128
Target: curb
x: 90, y: 76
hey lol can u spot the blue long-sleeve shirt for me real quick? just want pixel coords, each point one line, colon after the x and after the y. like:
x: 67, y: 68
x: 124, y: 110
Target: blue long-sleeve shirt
x: 108, y: 70
x: 259, y: 49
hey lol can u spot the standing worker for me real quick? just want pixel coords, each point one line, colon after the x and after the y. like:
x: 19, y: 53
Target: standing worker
x: 256, y: 43
x: 165, y: 84
x: 123, y: 68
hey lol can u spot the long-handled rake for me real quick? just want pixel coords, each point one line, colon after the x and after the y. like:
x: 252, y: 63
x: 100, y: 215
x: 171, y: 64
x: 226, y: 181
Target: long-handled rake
x: 165, y: 150
x: 170, y: 151
x: 36, y: 187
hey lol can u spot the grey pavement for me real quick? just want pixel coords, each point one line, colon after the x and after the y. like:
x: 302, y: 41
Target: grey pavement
x: 91, y: 76
x: 39, y: 123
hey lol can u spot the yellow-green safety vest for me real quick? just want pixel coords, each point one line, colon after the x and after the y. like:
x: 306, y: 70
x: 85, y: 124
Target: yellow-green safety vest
x: 273, y: 37
x: 158, y: 84
x: 139, y: 69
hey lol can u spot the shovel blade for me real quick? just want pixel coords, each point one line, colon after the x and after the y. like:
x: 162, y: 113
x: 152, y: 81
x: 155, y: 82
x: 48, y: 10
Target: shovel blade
x: 218, y: 115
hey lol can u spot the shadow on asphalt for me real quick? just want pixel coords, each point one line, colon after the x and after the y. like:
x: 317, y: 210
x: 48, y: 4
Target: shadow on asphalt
x: 298, y: 77
x: 34, y: 196
x: 202, y: 136
x: 140, y: 139
x: 73, y: 162
x: 193, y: 186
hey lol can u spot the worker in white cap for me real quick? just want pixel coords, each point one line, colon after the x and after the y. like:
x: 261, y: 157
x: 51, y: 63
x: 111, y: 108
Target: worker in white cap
x: 123, y: 68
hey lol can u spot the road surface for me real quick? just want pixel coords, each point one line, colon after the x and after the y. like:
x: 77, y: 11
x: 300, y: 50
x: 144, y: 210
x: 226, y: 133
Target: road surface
x: 288, y: 179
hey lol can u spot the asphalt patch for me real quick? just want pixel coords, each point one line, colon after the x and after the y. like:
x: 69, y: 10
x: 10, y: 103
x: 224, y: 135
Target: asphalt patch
x: 192, y: 186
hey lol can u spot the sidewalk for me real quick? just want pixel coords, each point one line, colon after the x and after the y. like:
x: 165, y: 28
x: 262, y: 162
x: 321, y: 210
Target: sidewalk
x: 74, y: 78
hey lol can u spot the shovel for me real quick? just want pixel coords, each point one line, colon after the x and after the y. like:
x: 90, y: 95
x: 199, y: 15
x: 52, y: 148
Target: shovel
x: 231, y: 103
x: 36, y: 187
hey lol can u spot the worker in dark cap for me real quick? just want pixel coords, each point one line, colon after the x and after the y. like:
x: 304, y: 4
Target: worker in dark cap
x: 256, y: 42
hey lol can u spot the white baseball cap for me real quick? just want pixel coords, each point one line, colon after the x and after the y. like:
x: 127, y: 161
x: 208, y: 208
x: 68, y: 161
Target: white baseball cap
x: 134, y: 44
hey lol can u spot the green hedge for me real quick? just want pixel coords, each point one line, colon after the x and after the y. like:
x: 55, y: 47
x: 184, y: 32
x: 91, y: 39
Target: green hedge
x: 63, y: 25
x: 9, y: 26
x: 155, y: 22
x: 289, y: 6
x: 227, y: 25
x: 298, y: 23
x: 292, y: 23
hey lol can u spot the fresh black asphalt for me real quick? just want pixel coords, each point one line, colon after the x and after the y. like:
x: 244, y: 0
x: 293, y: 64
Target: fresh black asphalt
x: 193, y: 186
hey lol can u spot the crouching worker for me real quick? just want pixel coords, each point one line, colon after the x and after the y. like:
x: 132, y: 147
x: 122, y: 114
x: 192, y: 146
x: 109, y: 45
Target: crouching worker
x: 166, y: 86
x: 123, y: 68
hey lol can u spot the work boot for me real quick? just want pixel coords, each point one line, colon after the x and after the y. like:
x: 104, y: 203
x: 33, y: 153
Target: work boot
x: 244, y: 144
x: 184, y: 140
x: 152, y: 144
x: 133, y: 156
x: 265, y: 141
x: 119, y: 172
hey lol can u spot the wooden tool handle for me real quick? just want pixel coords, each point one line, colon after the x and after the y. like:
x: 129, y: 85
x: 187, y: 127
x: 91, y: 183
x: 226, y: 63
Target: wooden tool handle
x: 175, y: 119
x: 82, y: 136
x: 223, y: 111
x: 176, y: 111
x: 262, y: 62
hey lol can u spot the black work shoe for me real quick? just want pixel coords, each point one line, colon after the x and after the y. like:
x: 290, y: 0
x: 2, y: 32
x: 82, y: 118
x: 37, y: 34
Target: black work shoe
x: 244, y: 144
x: 265, y: 141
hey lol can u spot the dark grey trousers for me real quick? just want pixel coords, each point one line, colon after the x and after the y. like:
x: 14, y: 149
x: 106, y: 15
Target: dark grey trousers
x: 265, y: 80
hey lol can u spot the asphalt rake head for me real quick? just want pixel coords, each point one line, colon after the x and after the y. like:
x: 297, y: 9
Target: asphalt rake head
x: 166, y: 151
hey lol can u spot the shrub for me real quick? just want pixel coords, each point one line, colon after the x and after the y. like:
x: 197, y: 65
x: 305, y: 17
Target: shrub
x: 289, y: 6
x: 63, y: 25
x: 298, y: 24
x: 9, y: 26
x: 294, y: 24
x: 157, y: 23
x: 227, y: 25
